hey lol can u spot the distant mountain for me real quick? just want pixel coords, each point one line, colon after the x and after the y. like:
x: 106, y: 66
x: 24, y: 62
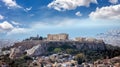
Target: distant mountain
x: 111, y: 37
x: 6, y: 42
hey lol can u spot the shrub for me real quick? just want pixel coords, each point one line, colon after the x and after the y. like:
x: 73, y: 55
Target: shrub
x: 57, y: 50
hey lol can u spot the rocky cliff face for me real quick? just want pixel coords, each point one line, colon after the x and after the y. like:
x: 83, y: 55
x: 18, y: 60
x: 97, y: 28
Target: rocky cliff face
x: 35, y: 48
x: 16, y: 52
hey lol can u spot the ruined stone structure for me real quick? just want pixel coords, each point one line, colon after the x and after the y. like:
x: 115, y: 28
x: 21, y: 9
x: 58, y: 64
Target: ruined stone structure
x: 80, y: 39
x: 90, y: 40
x: 57, y: 37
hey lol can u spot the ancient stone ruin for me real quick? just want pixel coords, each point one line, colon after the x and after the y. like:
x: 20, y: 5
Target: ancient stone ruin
x: 57, y: 37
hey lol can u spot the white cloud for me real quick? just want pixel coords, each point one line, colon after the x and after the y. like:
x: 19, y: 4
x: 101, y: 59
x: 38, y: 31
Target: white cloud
x: 60, y: 25
x: 15, y: 23
x: 113, y: 1
x: 17, y: 31
x: 108, y: 12
x: 71, y: 23
x: 27, y: 9
x: 1, y: 17
x: 6, y: 26
x: 32, y: 15
x: 78, y: 14
x: 11, y: 3
x: 62, y: 5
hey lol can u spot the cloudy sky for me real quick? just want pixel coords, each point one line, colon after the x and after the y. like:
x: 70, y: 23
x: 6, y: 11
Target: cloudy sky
x: 24, y: 18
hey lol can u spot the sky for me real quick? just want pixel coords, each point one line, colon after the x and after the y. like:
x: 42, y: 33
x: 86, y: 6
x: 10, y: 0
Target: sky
x: 20, y: 19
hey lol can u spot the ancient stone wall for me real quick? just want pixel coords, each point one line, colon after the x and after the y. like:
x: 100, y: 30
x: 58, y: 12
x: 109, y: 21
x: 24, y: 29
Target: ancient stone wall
x: 80, y: 39
x: 57, y: 37
x: 90, y: 40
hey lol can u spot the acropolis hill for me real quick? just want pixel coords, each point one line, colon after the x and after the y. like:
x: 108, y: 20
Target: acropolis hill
x: 63, y: 37
x: 39, y: 47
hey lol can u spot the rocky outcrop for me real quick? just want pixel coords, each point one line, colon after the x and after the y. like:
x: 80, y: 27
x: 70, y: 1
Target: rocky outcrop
x: 16, y: 52
x: 35, y: 48
x: 113, y: 62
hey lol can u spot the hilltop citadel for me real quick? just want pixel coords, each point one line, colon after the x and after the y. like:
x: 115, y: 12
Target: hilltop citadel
x: 65, y: 37
x: 57, y: 50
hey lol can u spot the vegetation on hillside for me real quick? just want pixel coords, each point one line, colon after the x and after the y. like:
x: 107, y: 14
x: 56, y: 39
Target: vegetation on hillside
x: 21, y: 62
x: 80, y: 55
x: 89, y: 55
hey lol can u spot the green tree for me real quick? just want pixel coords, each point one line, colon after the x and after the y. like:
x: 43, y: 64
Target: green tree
x: 57, y: 50
x: 80, y: 58
x: 69, y: 51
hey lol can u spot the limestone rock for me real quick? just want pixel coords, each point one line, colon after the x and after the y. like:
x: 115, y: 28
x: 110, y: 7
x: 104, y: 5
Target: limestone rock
x: 16, y: 53
x: 36, y: 50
